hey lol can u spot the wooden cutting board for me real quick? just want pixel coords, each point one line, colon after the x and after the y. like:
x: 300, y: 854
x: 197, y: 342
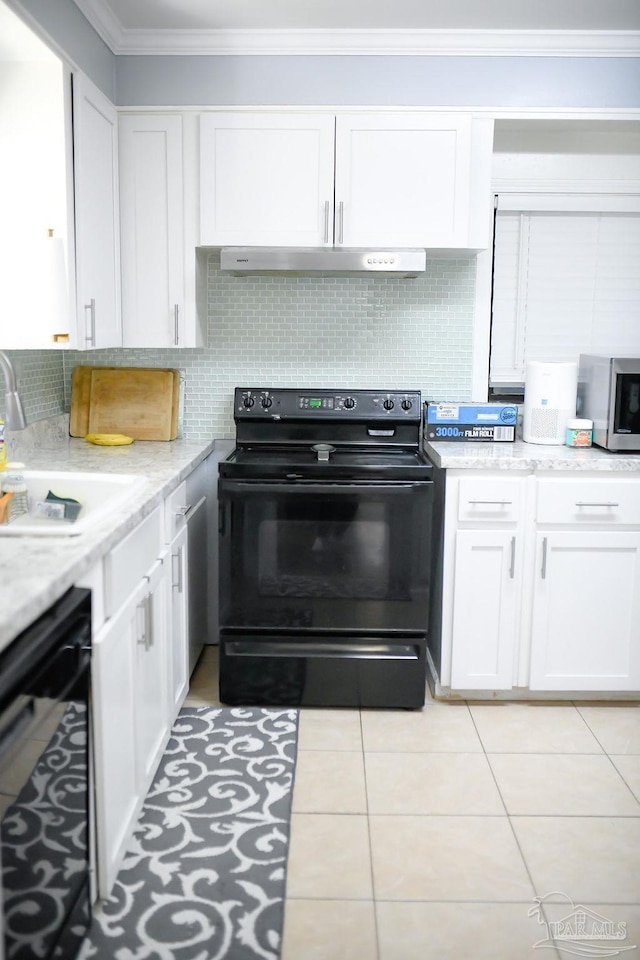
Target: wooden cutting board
x: 141, y: 402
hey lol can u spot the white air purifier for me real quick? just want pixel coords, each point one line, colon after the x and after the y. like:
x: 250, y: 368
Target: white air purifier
x: 550, y: 390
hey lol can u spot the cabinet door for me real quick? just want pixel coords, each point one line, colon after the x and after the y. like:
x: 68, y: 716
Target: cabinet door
x: 266, y: 179
x: 156, y: 308
x: 178, y: 643
x: 114, y: 722
x: 97, y: 222
x: 486, y: 579
x: 586, y: 612
x: 36, y: 195
x: 152, y: 695
x: 402, y: 179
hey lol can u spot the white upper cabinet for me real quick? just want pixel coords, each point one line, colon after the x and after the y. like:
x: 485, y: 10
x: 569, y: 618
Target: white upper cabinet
x: 266, y: 179
x: 402, y: 179
x: 95, y: 136
x: 158, y: 224
x: 36, y: 240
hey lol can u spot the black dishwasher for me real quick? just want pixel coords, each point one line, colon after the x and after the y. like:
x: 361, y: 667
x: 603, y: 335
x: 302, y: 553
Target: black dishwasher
x: 44, y: 783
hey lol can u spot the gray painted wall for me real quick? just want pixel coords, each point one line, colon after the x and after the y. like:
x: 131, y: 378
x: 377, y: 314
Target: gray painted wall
x: 70, y: 34
x: 571, y: 82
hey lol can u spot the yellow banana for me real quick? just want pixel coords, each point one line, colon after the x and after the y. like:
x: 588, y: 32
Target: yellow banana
x: 108, y: 439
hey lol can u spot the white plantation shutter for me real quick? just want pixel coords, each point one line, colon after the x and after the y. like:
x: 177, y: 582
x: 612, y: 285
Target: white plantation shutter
x: 566, y: 281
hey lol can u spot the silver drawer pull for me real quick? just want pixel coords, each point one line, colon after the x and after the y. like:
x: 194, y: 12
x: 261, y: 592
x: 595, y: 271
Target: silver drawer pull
x: 497, y: 503
x: 543, y: 571
x: 512, y: 567
x: 606, y: 503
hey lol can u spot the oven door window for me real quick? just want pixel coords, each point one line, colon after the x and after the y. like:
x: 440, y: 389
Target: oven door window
x: 332, y: 556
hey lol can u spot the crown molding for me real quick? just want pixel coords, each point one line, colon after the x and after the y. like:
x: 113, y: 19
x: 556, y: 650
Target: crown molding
x: 488, y: 43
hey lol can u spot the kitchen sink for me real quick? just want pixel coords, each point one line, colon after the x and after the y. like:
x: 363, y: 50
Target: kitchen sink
x: 100, y: 495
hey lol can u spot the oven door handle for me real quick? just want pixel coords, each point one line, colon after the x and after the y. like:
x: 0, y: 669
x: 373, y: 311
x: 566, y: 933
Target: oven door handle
x: 301, y: 487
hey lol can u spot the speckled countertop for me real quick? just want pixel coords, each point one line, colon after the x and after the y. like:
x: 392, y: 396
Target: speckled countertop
x: 35, y: 571
x: 529, y: 456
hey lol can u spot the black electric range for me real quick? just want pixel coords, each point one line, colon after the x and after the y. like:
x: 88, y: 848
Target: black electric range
x: 325, y: 544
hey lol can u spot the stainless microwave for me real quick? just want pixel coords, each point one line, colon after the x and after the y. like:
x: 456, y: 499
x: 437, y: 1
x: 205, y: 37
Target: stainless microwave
x: 609, y: 394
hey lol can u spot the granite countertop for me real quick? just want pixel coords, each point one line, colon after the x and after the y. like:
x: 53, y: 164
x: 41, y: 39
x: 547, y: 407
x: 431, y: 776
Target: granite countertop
x: 36, y: 571
x: 518, y: 455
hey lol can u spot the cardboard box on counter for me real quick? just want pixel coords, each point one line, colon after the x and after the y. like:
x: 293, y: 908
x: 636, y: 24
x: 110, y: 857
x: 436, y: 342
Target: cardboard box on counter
x: 448, y: 420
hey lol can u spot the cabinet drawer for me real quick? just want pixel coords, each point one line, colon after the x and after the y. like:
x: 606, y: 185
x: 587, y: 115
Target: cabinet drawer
x: 176, y: 507
x: 127, y: 563
x: 588, y: 501
x: 490, y: 499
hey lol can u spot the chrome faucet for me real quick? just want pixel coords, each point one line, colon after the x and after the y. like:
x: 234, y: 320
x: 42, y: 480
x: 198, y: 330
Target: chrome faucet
x: 13, y: 409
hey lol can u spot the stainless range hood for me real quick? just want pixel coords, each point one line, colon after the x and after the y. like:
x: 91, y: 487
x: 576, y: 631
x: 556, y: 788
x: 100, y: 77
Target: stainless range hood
x: 322, y: 262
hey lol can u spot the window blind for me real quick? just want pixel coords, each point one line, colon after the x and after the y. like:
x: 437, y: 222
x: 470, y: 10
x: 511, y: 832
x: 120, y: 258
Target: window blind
x: 566, y: 282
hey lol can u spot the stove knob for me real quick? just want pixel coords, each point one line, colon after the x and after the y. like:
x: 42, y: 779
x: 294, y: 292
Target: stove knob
x: 266, y: 402
x: 349, y: 403
x: 406, y: 404
x: 248, y: 402
x: 388, y: 404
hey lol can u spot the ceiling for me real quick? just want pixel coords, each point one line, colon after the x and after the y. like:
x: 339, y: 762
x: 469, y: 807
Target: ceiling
x: 319, y: 25
x: 359, y: 14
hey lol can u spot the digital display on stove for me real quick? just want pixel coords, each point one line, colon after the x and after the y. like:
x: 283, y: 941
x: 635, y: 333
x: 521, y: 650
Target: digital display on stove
x: 315, y: 403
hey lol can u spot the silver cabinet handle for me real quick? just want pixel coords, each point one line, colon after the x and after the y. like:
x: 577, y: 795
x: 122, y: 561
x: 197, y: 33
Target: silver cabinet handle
x: 606, y: 503
x: 543, y: 571
x: 91, y: 307
x: 176, y: 582
x: 341, y: 222
x: 512, y: 567
x: 141, y: 611
x: 148, y: 602
x: 327, y: 207
x: 176, y: 328
x: 499, y: 503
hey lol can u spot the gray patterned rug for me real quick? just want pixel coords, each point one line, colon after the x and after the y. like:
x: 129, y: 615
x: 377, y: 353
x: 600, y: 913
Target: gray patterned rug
x: 205, y: 876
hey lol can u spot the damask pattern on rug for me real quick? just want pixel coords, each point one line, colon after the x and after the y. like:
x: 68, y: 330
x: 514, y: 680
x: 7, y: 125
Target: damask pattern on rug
x: 204, y: 878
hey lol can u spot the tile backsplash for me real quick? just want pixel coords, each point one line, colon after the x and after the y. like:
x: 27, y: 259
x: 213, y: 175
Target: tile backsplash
x: 296, y: 331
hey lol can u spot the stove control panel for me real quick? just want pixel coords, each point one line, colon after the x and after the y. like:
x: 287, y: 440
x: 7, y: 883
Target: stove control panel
x: 290, y: 404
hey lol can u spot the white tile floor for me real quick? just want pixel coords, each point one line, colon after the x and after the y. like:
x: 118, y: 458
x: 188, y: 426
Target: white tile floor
x: 427, y: 835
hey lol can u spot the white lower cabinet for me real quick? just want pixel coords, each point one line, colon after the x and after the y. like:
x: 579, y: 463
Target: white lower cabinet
x: 114, y: 721
x: 541, y: 583
x: 153, y: 715
x: 586, y: 611
x: 483, y: 555
x: 485, y: 609
x: 178, y: 618
x: 132, y: 713
x: 131, y: 719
